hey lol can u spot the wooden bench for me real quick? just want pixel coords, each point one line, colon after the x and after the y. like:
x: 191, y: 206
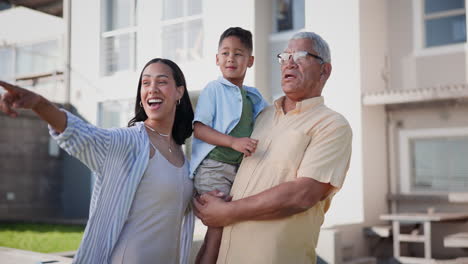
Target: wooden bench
x: 459, y: 240
x: 382, y: 231
x: 451, y: 261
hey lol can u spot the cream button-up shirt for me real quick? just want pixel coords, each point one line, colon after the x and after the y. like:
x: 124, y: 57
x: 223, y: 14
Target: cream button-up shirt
x: 310, y: 141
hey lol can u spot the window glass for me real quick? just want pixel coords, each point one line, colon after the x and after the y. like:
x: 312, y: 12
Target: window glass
x: 118, y: 47
x: 299, y: 14
x: 7, y: 63
x: 37, y: 58
x: 444, y: 22
x: 173, y: 42
x: 182, y: 38
x: 432, y: 6
x: 118, y: 14
x: 289, y: 14
x: 117, y: 52
x: 447, y: 30
x: 194, y: 7
x: 195, y: 38
x: 439, y: 164
x: 173, y: 9
x: 115, y: 113
x: 284, y: 15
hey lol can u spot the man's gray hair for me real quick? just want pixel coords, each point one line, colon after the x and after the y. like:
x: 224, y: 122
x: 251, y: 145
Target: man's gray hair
x: 320, y: 45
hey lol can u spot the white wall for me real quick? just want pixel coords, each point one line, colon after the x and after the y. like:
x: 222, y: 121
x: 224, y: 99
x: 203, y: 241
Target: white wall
x: 338, y: 23
x: 374, y: 49
x: 357, y: 38
x: 85, y: 32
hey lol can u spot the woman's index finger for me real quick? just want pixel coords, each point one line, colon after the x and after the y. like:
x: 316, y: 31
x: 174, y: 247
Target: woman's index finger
x: 7, y: 86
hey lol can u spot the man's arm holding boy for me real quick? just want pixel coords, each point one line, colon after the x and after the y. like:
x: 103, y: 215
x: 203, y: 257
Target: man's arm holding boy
x: 292, y: 197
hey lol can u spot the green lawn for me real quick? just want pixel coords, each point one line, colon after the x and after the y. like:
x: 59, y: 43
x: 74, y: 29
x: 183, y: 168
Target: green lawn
x: 43, y: 238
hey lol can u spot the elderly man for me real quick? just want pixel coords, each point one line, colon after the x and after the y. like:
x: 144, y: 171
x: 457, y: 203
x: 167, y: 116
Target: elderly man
x: 282, y: 191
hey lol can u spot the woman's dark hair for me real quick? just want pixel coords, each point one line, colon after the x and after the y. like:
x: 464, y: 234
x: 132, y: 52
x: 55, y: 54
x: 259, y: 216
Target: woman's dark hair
x: 182, y: 128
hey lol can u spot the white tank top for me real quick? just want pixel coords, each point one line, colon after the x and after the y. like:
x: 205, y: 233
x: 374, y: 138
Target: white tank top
x: 151, y: 233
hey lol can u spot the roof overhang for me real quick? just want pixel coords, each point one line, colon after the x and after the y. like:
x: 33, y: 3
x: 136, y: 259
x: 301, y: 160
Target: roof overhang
x: 442, y: 92
x: 51, y: 7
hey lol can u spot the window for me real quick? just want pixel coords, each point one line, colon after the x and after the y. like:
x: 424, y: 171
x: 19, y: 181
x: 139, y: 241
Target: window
x: 444, y: 22
x: 116, y: 113
x: 434, y: 161
x: 7, y: 67
x: 289, y: 15
x: 31, y: 59
x: 37, y: 58
x: 288, y: 18
x: 182, y: 30
x: 118, y: 36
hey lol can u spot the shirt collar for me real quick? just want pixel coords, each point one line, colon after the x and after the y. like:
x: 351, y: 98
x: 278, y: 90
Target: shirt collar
x: 301, y: 106
x: 141, y: 126
x: 223, y: 80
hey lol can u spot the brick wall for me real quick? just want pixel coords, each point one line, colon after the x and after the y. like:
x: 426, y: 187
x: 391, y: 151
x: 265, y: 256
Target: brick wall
x: 30, y: 185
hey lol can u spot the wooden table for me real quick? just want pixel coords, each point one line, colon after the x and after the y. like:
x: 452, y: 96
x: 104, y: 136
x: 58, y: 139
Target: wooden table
x: 424, y: 218
x: 458, y: 240
x: 458, y: 197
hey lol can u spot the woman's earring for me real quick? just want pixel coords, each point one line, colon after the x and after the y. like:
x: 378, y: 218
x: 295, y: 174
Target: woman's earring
x: 178, y: 102
x: 141, y: 105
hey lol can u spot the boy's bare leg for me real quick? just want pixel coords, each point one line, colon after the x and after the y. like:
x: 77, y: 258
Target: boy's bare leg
x: 208, y: 253
x: 201, y: 251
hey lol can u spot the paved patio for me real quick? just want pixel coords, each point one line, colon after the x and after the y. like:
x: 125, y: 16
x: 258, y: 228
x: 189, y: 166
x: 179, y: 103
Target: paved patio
x: 16, y: 256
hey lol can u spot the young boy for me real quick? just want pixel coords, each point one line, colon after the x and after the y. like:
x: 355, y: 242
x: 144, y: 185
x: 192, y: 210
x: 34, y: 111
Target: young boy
x: 224, y: 119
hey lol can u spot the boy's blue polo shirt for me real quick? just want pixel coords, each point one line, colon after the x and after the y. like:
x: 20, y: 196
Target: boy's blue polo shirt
x: 220, y: 107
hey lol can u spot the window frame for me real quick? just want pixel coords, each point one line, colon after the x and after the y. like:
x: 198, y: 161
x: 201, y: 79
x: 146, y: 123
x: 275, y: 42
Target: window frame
x: 104, y: 35
x: 405, y: 136
x: 184, y: 20
x: 419, y: 36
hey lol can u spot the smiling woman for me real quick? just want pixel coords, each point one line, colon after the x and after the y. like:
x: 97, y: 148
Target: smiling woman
x: 140, y: 207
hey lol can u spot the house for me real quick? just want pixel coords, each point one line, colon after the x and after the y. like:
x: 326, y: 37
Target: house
x: 38, y: 181
x: 399, y: 76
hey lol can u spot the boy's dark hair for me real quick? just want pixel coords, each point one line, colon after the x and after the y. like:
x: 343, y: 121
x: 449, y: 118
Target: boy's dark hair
x: 243, y: 35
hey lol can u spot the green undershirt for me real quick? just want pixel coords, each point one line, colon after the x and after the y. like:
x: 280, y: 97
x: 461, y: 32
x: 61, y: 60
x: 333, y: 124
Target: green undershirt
x: 243, y: 129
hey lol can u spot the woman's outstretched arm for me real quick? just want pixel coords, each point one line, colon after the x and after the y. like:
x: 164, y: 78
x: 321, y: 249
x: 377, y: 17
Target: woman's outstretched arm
x: 17, y: 97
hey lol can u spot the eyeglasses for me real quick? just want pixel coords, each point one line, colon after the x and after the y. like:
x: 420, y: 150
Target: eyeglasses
x: 297, y: 56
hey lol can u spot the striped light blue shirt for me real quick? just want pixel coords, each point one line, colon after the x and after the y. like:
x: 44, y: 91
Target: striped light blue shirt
x: 118, y: 158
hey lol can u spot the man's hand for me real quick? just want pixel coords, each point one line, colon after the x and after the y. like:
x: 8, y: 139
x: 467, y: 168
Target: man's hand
x: 244, y: 145
x: 17, y: 97
x: 212, y: 210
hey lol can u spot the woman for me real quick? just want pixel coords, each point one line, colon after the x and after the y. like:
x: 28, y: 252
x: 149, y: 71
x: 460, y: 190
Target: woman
x: 142, y: 191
